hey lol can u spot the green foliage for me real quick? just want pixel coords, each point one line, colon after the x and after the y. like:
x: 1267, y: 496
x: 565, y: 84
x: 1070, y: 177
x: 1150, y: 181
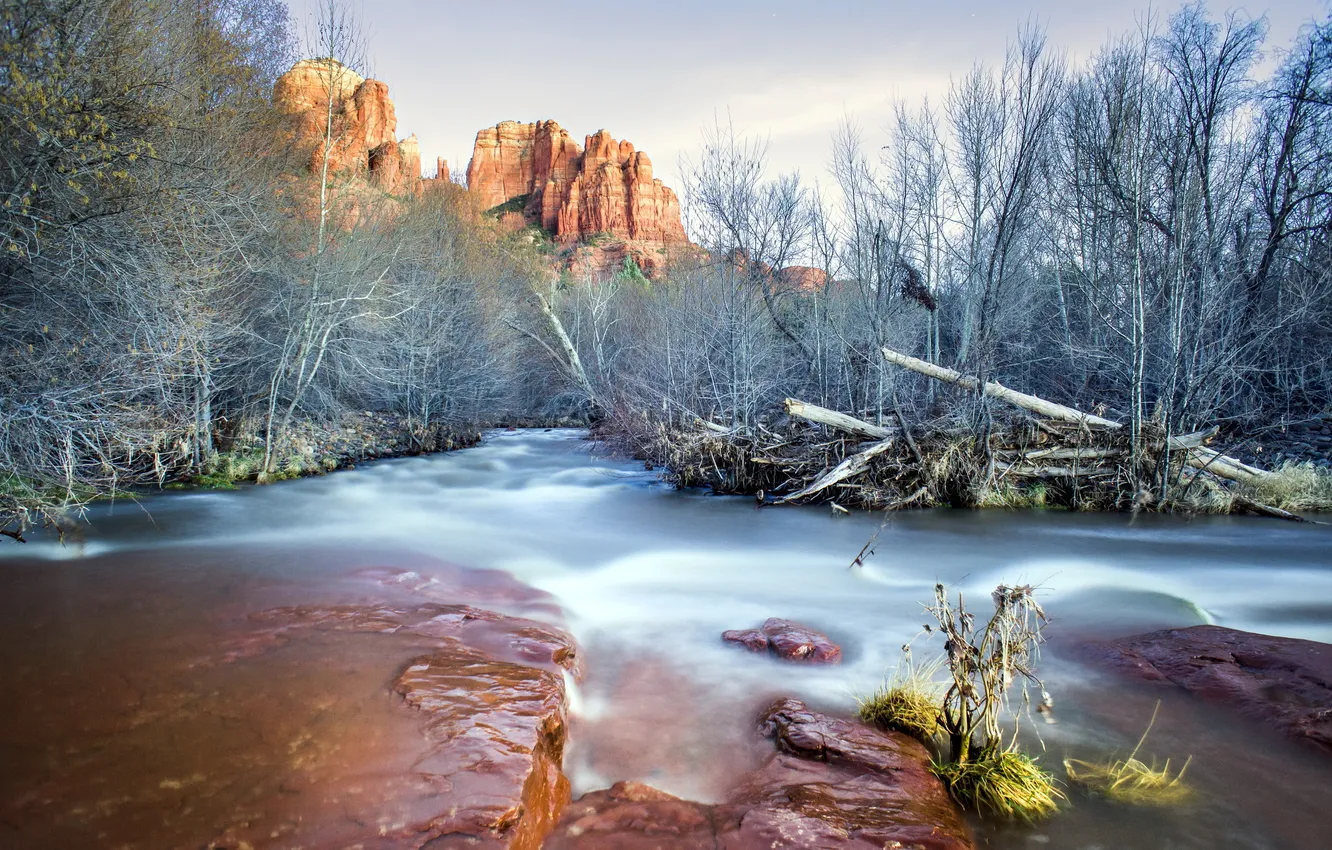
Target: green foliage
x: 631, y: 273
x: 1004, y: 783
x: 516, y: 204
x: 225, y: 469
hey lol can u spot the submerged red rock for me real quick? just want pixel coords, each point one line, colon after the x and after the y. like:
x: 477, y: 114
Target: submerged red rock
x: 788, y: 640
x: 1283, y: 683
x: 830, y: 784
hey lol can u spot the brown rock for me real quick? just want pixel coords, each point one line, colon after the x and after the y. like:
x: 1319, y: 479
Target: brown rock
x: 632, y: 816
x: 831, y: 784
x: 497, y: 732
x: 1283, y: 683
x: 839, y: 783
x: 802, y: 278
x: 364, y: 122
x: 491, y: 695
x: 788, y: 640
x: 603, y: 188
x: 753, y: 640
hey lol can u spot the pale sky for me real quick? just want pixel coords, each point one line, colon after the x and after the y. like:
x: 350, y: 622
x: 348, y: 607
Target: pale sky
x: 656, y: 71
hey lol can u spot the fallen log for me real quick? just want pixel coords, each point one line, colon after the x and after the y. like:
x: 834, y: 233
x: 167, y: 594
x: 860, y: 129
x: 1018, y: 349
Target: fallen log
x: 1028, y: 471
x: 994, y: 389
x: 1267, y: 510
x: 851, y: 466
x: 1226, y: 467
x: 1194, y: 440
x: 1197, y: 457
x: 1070, y: 454
x: 838, y: 421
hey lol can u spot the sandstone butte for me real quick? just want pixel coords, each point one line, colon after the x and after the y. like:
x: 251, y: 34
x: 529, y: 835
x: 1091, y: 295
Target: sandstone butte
x: 603, y: 191
x: 364, y: 126
x: 599, y: 201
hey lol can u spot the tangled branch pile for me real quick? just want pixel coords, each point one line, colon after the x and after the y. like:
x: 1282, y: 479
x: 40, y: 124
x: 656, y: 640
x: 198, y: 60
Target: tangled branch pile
x: 1035, y: 454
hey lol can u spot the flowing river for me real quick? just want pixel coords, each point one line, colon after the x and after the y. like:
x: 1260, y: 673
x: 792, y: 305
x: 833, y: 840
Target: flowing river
x: 119, y: 727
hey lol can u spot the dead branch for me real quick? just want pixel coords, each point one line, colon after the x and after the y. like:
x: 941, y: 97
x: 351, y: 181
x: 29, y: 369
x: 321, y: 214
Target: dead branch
x: 835, y: 420
x: 853, y: 465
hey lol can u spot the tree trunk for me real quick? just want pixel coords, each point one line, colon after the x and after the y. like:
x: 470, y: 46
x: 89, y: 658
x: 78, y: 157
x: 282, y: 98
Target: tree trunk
x: 837, y: 421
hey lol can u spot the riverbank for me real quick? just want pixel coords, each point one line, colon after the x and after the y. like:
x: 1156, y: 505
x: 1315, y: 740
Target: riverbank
x: 316, y: 448
x: 811, y: 455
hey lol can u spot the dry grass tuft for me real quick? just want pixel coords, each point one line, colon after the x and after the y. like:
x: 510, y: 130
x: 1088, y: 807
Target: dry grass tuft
x: 1131, y: 780
x: 909, y: 702
x: 1013, y: 497
x: 1295, y: 487
x: 1004, y: 783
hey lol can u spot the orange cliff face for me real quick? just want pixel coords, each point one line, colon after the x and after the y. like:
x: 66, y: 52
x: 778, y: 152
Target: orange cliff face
x: 324, y: 99
x: 604, y: 188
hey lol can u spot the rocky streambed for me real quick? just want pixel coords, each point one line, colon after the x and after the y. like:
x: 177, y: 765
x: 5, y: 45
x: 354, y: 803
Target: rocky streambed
x: 305, y: 666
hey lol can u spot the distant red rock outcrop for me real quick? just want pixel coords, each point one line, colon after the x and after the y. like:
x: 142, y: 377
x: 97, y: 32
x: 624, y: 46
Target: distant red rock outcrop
x: 364, y: 124
x: 603, y: 188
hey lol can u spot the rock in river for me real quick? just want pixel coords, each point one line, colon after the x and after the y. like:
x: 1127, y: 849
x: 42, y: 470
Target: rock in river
x: 830, y: 784
x: 1283, y: 683
x: 787, y: 640
x: 490, y: 692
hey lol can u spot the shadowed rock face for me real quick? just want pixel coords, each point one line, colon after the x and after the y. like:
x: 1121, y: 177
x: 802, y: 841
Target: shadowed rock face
x: 831, y: 784
x: 787, y: 640
x: 1283, y: 683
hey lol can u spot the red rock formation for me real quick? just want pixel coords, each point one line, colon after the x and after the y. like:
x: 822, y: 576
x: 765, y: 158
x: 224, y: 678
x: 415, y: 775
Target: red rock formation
x: 603, y: 188
x: 325, y: 100
x: 490, y: 691
x: 831, y: 784
x: 787, y: 640
x: 802, y: 278
x: 1283, y: 683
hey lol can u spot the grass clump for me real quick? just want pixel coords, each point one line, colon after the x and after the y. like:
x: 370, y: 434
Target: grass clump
x: 225, y: 469
x: 1013, y: 497
x: 1004, y: 783
x: 1294, y: 487
x: 910, y: 702
x: 1131, y: 780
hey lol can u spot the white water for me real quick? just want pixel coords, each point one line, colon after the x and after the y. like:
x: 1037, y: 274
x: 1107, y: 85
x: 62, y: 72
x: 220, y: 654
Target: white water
x: 648, y: 577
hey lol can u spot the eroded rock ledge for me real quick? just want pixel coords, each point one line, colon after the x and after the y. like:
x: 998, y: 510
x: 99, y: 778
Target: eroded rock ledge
x: 831, y: 784
x: 492, y: 697
x: 1282, y: 683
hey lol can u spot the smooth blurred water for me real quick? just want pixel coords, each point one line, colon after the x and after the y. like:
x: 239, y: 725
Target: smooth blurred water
x: 647, y: 578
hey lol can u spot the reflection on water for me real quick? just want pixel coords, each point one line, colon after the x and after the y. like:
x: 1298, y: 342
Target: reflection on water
x: 99, y: 640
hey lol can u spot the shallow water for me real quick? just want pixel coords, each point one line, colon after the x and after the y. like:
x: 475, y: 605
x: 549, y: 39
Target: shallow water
x: 116, y: 733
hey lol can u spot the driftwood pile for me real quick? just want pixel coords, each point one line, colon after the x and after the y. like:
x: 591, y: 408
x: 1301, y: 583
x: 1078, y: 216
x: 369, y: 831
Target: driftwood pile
x: 1067, y: 456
